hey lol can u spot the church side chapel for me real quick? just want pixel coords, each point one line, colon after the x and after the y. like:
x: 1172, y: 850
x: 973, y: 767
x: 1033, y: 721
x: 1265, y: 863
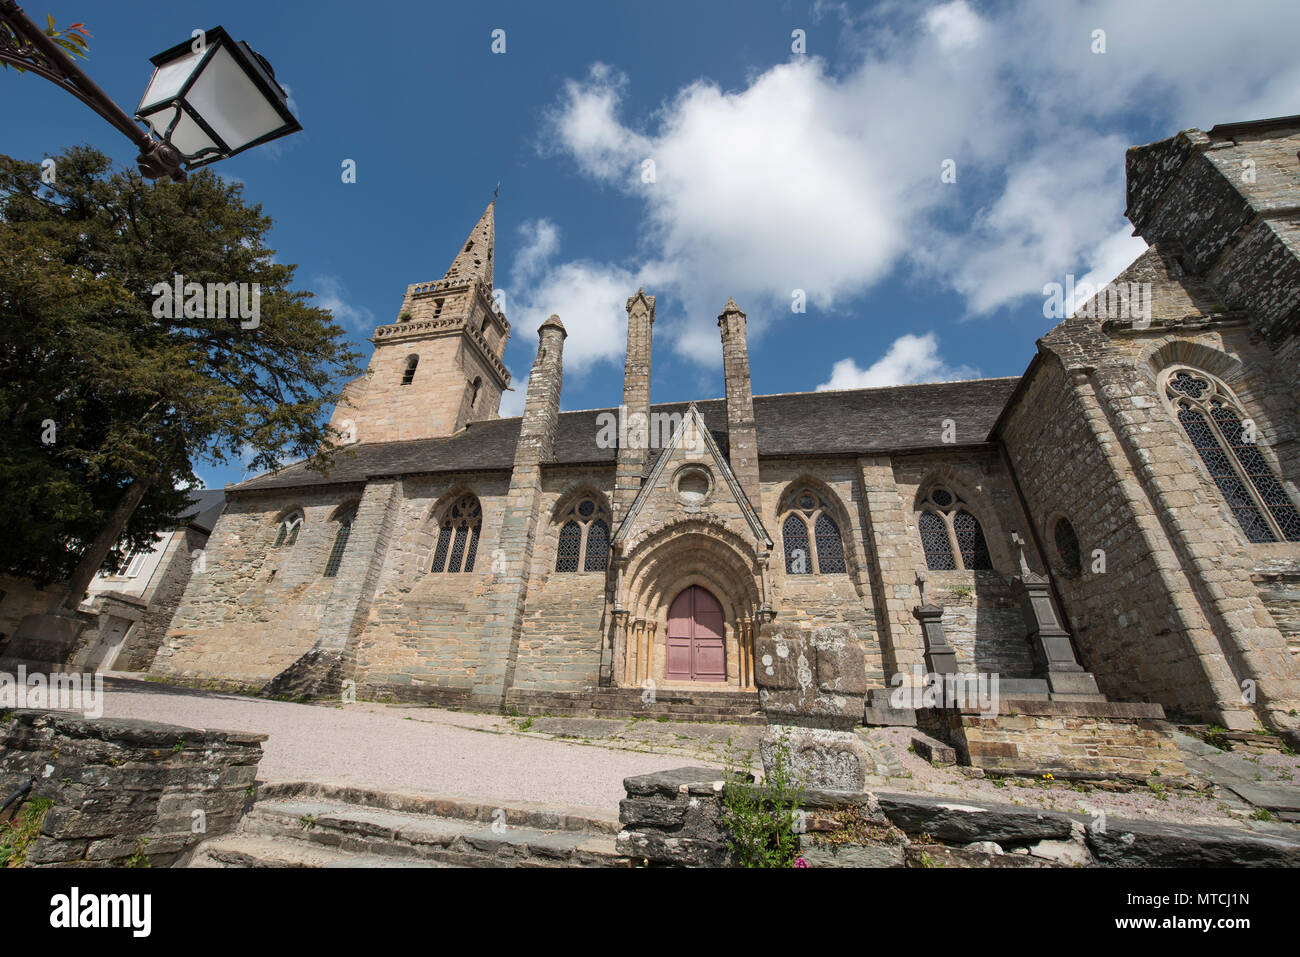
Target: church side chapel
x: 1115, y: 529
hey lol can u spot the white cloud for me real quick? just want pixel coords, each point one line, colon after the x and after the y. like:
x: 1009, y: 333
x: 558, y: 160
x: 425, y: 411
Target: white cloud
x: 590, y: 299
x: 541, y: 242
x: 910, y: 358
x: 331, y: 294
x: 828, y: 180
x: 955, y: 25
x: 1110, y: 257
x: 512, y: 403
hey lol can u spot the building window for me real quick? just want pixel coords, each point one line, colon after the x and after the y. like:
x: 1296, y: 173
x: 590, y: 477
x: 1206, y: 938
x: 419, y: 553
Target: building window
x: 458, y: 537
x: 340, y: 544
x: 290, y: 525
x: 1068, y: 551
x: 474, y: 391
x: 135, y: 563
x: 408, y: 376
x: 437, y: 307
x: 807, y: 520
x: 1226, y: 441
x: 584, y: 536
x: 951, y: 536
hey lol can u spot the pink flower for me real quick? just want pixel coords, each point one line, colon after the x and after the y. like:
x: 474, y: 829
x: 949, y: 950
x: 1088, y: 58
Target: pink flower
x: 800, y: 862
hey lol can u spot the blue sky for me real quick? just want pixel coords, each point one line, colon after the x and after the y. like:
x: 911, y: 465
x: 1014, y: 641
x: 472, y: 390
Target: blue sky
x: 774, y: 170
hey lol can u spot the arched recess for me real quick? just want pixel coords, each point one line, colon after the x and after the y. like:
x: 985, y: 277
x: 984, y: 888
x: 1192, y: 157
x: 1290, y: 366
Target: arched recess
x: 342, y: 520
x: 978, y: 504
x: 456, y: 523
x: 663, y: 564
x: 287, y: 526
x: 1277, y: 425
x: 830, y: 505
x: 580, y: 528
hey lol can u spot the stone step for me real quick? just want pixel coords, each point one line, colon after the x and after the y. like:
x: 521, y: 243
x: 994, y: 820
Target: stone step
x: 717, y: 707
x: 294, y: 830
x: 530, y: 814
x: 242, y: 851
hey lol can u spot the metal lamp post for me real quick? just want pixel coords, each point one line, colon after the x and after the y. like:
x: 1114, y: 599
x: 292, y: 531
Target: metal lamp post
x: 208, y: 98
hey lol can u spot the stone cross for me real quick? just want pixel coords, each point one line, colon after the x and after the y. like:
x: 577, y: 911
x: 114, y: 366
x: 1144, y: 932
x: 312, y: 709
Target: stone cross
x: 1020, y: 552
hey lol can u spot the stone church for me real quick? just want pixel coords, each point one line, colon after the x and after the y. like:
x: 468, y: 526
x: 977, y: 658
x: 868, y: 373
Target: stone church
x: 1118, y: 523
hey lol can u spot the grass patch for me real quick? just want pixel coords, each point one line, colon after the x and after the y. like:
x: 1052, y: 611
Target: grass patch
x: 17, y: 835
x: 762, y: 821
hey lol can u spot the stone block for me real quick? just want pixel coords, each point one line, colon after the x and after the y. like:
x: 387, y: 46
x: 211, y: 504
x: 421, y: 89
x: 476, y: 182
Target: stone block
x: 853, y: 855
x: 823, y: 758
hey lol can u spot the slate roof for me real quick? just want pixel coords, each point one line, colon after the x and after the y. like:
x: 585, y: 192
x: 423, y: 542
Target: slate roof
x: 206, y: 506
x: 861, y: 421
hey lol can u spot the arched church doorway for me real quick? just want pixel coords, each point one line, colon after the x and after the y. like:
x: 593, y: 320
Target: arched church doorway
x: 696, y: 644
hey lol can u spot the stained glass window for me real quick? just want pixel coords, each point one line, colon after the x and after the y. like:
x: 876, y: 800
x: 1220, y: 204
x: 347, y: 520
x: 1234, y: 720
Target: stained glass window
x: 583, y: 542
x: 288, y: 531
x: 1229, y: 448
x: 458, y: 537
x: 597, y: 547
x: 830, y: 548
x: 566, y: 558
x: 340, y: 544
x: 798, y: 556
x: 951, y: 536
x: 934, y: 540
x: 811, y: 536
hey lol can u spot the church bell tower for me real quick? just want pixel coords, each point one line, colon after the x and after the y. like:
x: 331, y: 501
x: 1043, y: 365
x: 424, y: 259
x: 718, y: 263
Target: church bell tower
x: 440, y: 364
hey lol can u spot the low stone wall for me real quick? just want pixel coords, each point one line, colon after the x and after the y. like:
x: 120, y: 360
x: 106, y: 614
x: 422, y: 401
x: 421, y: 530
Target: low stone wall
x: 1071, y: 739
x: 123, y: 790
x: 675, y: 819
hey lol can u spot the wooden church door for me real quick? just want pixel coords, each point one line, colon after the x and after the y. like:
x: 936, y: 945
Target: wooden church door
x: 696, y: 649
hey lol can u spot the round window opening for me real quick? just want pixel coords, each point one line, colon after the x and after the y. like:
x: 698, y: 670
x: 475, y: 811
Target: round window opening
x: 1068, y: 551
x: 693, y: 486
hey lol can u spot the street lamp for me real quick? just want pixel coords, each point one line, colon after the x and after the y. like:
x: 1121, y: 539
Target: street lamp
x: 212, y: 98
x: 208, y: 98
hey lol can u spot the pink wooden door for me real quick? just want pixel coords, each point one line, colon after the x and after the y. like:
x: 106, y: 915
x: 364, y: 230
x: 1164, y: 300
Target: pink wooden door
x: 696, y: 650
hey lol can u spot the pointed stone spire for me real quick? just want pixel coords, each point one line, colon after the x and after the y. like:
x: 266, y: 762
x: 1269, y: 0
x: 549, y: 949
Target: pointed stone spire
x: 474, y: 261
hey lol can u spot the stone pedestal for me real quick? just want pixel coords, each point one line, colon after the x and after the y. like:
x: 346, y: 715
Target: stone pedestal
x: 1053, y: 653
x: 823, y: 758
x: 812, y: 683
x: 940, y: 657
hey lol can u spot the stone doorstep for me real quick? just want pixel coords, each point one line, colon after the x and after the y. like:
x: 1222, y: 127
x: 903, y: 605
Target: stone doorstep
x: 518, y: 813
x: 340, y: 834
x: 233, y: 851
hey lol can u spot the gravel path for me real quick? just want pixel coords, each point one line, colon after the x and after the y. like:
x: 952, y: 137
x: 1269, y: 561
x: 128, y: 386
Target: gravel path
x: 444, y: 753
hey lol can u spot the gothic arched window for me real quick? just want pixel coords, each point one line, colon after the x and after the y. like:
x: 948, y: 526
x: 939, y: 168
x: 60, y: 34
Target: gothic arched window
x: 458, y: 536
x: 473, y: 397
x: 806, y: 522
x: 1227, y: 443
x: 408, y: 375
x: 340, y: 544
x: 584, y: 536
x: 290, y: 525
x: 950, y: 535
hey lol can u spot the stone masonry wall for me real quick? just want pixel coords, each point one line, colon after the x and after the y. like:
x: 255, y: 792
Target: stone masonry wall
x: 165, y: 592
x: 421, y: 639
x: 123, y: 786
x: 982, y: 618
x: 1123, y: 621
x: 1069, y: 739
x: 255, y: 609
